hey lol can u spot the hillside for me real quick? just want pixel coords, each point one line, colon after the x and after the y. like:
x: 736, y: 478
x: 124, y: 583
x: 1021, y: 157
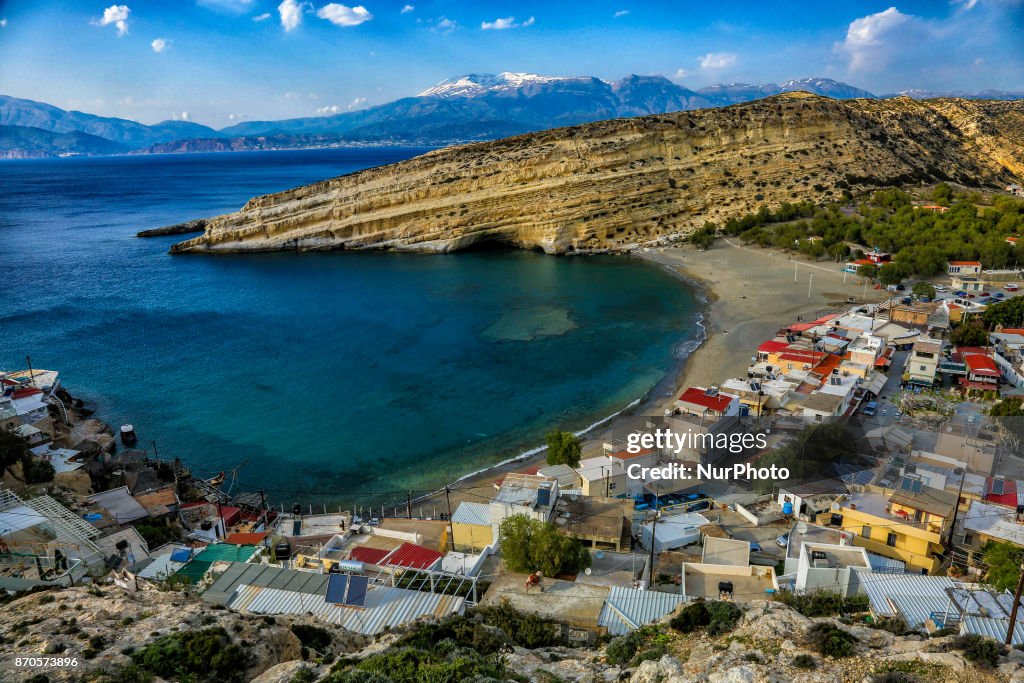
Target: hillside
x: 613, y: 185
x: 27, y: 142
x: 114, y: 637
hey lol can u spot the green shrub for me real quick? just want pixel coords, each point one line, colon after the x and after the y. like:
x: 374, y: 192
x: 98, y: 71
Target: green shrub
x: 724, y: 616
x: 459, y: 631
x: 303, y: 675
x: 832, y: 641
x: 693, y: 616
x: 978, y: 649
x: 526, y: 630
x: 822, y: 603
x: 894, y: 677
x: 314, y: 637
x: 805, y: 661
x: 621, y: 649
x: 947, y: 631
x: 206, y: 655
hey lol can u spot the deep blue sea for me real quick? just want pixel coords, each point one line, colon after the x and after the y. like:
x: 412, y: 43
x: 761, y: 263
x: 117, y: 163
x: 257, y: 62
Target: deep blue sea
x: 339, y: 377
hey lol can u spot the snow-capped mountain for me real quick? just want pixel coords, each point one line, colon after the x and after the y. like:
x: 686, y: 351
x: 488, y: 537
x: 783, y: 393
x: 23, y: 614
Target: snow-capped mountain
x: 475, y: 85
x: 919, y: 94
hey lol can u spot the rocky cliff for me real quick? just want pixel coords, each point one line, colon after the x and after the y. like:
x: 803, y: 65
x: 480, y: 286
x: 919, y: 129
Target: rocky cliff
x: 612, y: 185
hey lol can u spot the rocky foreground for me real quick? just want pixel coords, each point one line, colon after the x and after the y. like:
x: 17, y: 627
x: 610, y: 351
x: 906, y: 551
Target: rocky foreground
x: 111, y: 633
x: 613, y: 185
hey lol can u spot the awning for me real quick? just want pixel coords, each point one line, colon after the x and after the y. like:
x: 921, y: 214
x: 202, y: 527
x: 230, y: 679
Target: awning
x: 876, y: 384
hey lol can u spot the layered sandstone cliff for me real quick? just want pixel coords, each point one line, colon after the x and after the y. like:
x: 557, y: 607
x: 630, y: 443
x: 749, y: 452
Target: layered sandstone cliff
x: 615, y: 184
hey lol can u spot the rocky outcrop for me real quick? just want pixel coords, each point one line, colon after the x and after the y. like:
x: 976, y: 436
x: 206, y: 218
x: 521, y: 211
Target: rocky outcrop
x: 613, y: 185
x: 196, y: 225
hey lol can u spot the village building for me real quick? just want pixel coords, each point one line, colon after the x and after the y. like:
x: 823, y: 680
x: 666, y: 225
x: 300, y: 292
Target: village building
x: 831, y: 567
x: 728, y: 582
x: 471, y: 527
x: 923, y: 362
x: 964, y: 268
x: 523, y: 494
x: 707, y: 403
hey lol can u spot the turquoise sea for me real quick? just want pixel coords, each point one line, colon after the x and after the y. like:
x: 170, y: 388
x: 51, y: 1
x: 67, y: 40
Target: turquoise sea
x: 341, y: 377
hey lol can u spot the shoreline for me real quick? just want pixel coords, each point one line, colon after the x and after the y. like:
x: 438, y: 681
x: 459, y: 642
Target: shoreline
x: 732, y: 322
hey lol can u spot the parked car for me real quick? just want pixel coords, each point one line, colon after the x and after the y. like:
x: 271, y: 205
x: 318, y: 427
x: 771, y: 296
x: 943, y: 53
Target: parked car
x: 960, y: 293
x: 940, y: 288
x: 1011, y: 287
x: 870, y: 408
x: 998, y: 295
x: 374, y: 521
x: 783, y: 540
x: 901, y: 288
x: 755, y: 547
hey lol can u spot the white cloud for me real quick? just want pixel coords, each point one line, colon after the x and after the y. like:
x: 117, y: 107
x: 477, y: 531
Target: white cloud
x: 621, y: 13
x: 965, y: 4
x: 867, y: 41
x: 116, y: 15
x: 3, y: 22
x: 183, y: 116
x: 291, y: 14
x: 342, y: 15
x: 682, y: 73
x: 160, y: 44
x: 445, y: 25
x: 357, y: 103
x: 717, y: 60
x: 261, y: 17
x: 327, y: 111
x: 407, y: 9
x: 503, y: 23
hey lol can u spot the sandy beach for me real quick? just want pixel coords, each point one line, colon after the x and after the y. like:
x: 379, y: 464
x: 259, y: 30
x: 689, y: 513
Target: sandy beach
x: 750, y: 294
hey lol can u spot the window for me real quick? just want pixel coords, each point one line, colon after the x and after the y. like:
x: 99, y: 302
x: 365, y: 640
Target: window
x: 925, y: 369
x: 866, y: 532
x: 969, y: 540
x: 611, y: 487
x: 891, y: 540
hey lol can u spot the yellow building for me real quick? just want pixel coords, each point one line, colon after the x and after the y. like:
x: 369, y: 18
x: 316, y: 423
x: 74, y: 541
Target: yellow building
x: 471, y: 527
x: 908, y: 525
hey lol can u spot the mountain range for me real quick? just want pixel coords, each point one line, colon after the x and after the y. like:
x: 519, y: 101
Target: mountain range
x: 468, y: 108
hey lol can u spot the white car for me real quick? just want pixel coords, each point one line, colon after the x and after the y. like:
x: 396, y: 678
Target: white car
x: 940, y: 288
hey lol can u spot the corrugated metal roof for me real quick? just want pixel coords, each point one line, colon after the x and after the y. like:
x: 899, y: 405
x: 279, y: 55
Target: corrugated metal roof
x: 368, y: 555
x: 886, y: 565
x: 160, y: 568
x: 121, y: 505
x: 916, y: 609
x: 627, y: 609
x: 472, y: 513
x: 218, y: 552
x: 263, y: 575
x: 414, y: 556
x: 992, y: 628
x: 881, y: 587
x: 385, y: 607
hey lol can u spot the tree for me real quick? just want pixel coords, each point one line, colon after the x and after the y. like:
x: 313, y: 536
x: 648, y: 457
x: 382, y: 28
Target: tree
x: 528, y: 545
x: 942, y: 194
x: 13, y: 449
x: 890, y: 274
x: 564, y: 448
x: 969, y: 334
x: 868, y: 270
x: 923, y: 290
x: 1003, y: 560
x: 1010, y: 313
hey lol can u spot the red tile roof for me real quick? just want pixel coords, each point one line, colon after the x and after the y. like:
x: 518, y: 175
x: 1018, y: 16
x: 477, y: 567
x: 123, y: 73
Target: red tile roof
x: 979, y: 364
x: 246, y: 539
x: 697, y: 396
x: 413, y: 556
x: 801, y: 327
x: 1008, y: 496
x: 771, y: 346
x: 361, y: 553
x: 965, y: 263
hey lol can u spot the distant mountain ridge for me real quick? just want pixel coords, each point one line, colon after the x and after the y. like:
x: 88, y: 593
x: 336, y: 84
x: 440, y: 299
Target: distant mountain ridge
x: 473, y: 107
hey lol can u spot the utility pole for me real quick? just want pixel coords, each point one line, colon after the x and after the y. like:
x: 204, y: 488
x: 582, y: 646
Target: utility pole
x: 408, y: 504
x: 956, y: 507
x: 650, y: 561
x: 263, y: 508
x: 31, y: 374
x: 448, y: 497
x: 795, y: 264
x: 1013, y: 612
x: 810, y: 283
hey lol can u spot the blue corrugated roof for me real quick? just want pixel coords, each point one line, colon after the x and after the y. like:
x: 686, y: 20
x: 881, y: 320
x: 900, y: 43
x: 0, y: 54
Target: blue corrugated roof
x: 992, y: 628
x: 886, y: 565
x: 472, y: 513
x: 627, y: 609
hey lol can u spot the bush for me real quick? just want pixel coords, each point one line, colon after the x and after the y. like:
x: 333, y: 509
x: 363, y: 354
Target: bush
x: 39, y: 472
x: 313, y: 637
x: 206, y: 655
x: 724, y: 617
x: 894, y: 677
x: 978, y: 649
x: 693, y: 616
x: 832, y: 641
x: 621, y: 649
x: 947, y: 631
x: 805, y: 661
x: 526, y: 630
x: 822, y: 603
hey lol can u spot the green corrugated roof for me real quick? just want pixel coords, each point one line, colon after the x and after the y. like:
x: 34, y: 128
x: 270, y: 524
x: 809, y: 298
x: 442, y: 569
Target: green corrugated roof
x: 200, y: 564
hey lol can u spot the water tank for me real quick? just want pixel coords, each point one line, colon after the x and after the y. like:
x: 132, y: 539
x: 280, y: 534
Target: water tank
x: 787, y: 508
x: 354, y: 566
x: 283, y: 550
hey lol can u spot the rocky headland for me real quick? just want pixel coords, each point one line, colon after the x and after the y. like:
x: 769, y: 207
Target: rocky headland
x: 615, y: 185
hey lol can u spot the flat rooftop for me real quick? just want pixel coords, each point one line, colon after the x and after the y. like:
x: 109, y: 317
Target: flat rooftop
x: 592, y: 516
x: 835, y: 557
x: 566, y: 602
x: 701, y: 581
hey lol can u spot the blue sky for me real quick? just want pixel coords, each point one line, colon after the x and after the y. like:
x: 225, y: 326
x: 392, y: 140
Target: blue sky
x: 222, y: 61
